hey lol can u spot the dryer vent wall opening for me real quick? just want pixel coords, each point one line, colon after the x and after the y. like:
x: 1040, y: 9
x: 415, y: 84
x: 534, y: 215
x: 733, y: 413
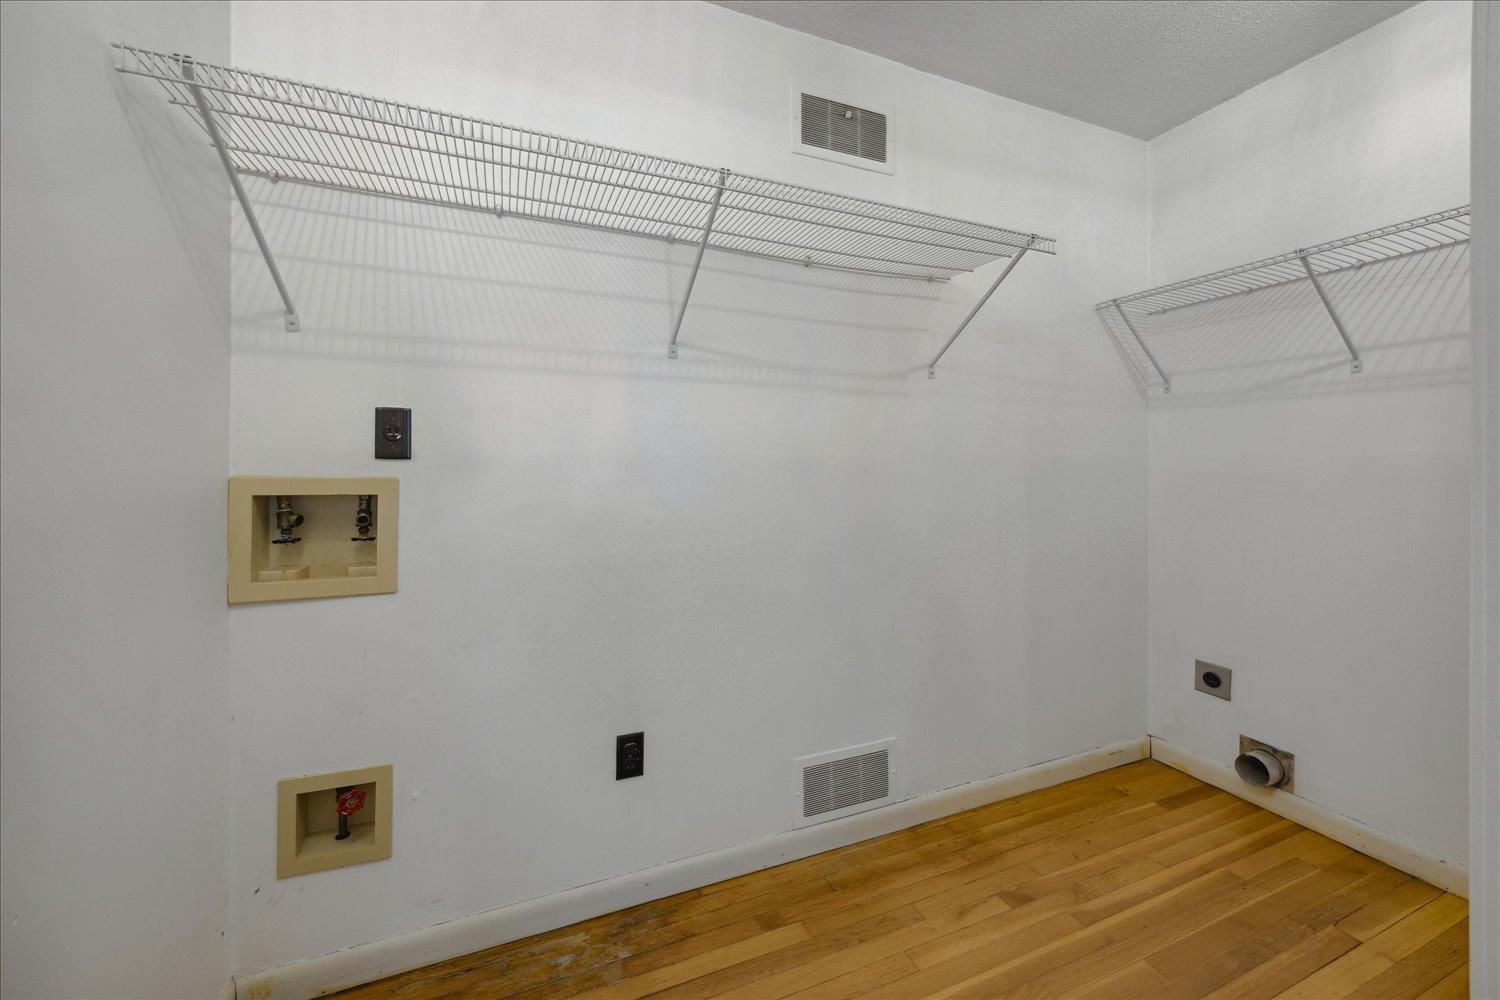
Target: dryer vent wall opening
x: 1260, y: 769
x: 1264, y: 766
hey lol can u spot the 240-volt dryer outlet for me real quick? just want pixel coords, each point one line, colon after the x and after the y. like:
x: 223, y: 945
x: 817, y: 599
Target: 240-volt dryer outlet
x: 1210, y: 678
x: 392, y: 432
x: 630, y: 755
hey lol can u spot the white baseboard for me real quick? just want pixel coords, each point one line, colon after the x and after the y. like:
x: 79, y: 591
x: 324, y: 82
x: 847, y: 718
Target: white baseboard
x: 1393, y: 851
x: 367, y: 962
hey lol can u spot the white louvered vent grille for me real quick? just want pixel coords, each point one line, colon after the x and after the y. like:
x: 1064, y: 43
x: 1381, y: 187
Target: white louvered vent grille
x: 839, y: 784
x: 843, y: 128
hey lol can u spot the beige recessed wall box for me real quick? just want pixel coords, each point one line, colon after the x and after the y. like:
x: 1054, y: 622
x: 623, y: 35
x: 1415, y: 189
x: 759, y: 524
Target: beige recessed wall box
x: 330, y: 820
x: 293, y: 537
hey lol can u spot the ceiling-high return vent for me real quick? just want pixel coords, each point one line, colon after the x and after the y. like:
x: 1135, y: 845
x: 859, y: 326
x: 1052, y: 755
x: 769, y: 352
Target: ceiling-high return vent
x: 843, y: 128
x: 292, y: 131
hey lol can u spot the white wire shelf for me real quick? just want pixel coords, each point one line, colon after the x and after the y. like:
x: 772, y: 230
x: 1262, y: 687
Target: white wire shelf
x: 1311, y: 264
x: 292, y: 131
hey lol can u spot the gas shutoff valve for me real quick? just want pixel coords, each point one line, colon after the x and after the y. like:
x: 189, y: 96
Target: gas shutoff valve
x: 350, y: 801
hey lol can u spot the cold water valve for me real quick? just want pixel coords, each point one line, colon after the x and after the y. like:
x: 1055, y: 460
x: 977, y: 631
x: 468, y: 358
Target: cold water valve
x: 287, y: 521
x: 296, y: 537
x: 364, y: 519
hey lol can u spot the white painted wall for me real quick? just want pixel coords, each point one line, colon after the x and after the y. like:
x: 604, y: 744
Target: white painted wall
x: 788, y: 541
x: 1484, y: 652
x: 785, y: 542
x: 114, y: 362
x: 1309, y: 527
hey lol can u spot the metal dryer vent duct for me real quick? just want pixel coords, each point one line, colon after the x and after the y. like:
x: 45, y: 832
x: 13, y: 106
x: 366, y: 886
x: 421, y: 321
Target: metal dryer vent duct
x: 1264, y: 766
x: 1260, y: 769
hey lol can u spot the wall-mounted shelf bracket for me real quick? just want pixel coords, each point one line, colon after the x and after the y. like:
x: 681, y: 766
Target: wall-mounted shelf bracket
x: 1355, y: 364
x: 708, y: 228
x: 1444, y: 232
x: 293, y: 321
x: 932, y: 365
x: 1166, y: 383
x: 268, y: 126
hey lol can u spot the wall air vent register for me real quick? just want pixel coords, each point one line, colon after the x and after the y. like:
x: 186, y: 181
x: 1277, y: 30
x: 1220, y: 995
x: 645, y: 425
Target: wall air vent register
x: 844, y: 782
x: 828, y: 126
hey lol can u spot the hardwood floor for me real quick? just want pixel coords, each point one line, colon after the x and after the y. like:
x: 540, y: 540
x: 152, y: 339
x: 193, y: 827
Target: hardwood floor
x: 1139, y: 882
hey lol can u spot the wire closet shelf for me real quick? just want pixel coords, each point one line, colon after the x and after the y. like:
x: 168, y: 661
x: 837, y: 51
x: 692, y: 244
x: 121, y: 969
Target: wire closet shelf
x: 286, y: 130
x: 1310, y: 264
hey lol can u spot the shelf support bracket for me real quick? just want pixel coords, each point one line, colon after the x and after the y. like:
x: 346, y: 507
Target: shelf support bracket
x: 708, y: 228
x: 1166, y: 383
x: 1356, y: 364
x: 293, y: 321
x: 932, y: 365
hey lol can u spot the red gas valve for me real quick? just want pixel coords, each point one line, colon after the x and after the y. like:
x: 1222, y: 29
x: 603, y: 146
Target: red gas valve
x: 351, y: 802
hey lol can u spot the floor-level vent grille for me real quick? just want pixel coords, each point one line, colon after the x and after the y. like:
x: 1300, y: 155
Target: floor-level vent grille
x: 852, y: 781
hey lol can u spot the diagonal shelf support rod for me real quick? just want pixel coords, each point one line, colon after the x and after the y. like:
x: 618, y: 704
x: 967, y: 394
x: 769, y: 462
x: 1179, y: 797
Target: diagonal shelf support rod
x: 708, y: 228
x: 1356, y: 365
x: 1166, y: 383
x: 932, y: 365
x: 293, y: 321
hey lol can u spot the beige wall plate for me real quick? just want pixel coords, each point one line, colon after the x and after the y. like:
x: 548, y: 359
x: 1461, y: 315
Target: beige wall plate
x: 325, y: 560
x: 307, y: 821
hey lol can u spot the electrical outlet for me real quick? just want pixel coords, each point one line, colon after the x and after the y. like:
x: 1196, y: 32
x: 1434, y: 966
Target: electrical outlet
x: 630, y: 756
x: 1210, y: 678
x: 392, y: 432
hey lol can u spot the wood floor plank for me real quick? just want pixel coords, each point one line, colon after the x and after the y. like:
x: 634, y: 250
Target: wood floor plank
x: 1136, y: 933
x: 1187, y: 871
x: 1348, y: 975
x: 830, y: 963
x: 1453, y: 986
x: 955, y: 970
x: 864, y: 979
x: 774, y: 973
x: 800, y: 899
x: 1277, y: 929
x: 700, y: 965
x: 1139, y: 882
x: 541, y: 981
x: 1028, y: 833
x: 1340, y: 978
x: 1407, y: 935
x: 1132, y: 982
x: 1423, y: 968
x: 1379, y: 914
x: 979, y: 881
x: 1110, y: 848
x: 982, y: 954
x: 1284, y: 969
x: 1188, y: 954
x: 1296, y: 846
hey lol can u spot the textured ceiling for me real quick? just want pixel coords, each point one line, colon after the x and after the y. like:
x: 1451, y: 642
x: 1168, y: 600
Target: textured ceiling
x: 1136, y: 66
